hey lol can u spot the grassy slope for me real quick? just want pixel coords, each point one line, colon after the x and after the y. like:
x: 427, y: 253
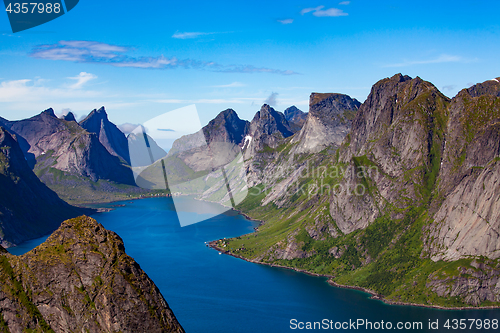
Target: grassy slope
x: 387, y: 257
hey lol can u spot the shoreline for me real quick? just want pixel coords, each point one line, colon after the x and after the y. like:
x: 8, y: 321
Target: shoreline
x: 374, y: 295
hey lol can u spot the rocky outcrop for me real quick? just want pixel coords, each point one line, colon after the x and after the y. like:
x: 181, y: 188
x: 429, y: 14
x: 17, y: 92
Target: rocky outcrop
x: 328, y: 122
x: 81, y: 280
x: 226, y: 127
x: 28, y: 208
x: 109, y: 135
x: 476, y: 283
x: 214, y: 145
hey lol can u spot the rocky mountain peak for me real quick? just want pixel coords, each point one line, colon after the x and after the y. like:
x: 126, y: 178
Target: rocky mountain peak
x: 226, y: 127
x: 269, y: 121
x: 490, y: 87
x: 109, y: 134
x: 49, y: 112
x: 327, y: 123
x: 295, y: 117
x: 69, y: 117
x: 94, y: 118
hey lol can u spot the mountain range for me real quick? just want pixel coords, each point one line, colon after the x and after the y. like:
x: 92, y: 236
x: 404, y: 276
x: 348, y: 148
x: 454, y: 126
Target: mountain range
x: 398, y: 195
x: 83, y: 162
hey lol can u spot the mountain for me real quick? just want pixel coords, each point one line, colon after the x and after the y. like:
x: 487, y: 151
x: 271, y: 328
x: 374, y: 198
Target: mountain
x: 109, y: 135
x: 64, y: 145
x: 267, y: 129
x: 139, y: 151
x: 399, y: 131
x: 80, y: 280
x: 69, y: 117
x: 295, y: 117
x: 405, y: 206
x: 327, y: 123
x: 226, y: 127
x: 467, y: 222
x: 203, y: 150
x: 28, y: 208
x: 72, y: 161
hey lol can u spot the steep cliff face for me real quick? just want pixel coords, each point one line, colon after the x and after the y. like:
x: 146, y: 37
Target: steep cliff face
x: 393, y: 152
x: 81, y: 280
x: 467, y: 221
x: 327, y: 123
x: 28, y: 208
x: 109, y: 135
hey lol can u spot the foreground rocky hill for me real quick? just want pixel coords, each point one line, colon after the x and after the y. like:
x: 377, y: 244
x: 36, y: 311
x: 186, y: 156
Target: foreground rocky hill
x: 28, y: 208
x: 80, y: 280
x: 406, y: 205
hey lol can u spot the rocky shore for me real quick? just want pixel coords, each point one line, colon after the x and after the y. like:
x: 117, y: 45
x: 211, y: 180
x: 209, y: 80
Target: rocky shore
x: 374, y: 295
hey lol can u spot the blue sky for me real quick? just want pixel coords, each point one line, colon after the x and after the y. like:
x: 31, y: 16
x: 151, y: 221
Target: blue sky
x: 141, y: 59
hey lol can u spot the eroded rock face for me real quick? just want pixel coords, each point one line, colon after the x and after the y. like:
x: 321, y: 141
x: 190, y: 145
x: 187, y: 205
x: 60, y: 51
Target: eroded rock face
x: 328, y: 122
x: 28, y: 208
x: 81, y: 280
x: 467, y: 221
x: 395, y: 142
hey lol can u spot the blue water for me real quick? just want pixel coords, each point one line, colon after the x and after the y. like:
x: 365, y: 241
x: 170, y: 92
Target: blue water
x: 209, y: 292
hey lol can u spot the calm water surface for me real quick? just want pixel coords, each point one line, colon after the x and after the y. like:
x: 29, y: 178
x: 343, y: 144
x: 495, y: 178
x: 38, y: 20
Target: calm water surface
x: 209, y: 292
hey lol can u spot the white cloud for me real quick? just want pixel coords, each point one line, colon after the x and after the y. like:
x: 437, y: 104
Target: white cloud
x: 190, y: 35
x: 81, y: 79
x: 331, y: 12
x: 159, y: 62
x: 344, y: 3
x: 127, y: 128
x: 311, y: 9
x: 286, y: 21
x: 114, y: 55
x: 444, y: 58
x: 231, y: 85
x: 22, y: 98
x: 272, y: 99
x: 320, y: 12
x: 449, y: 87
